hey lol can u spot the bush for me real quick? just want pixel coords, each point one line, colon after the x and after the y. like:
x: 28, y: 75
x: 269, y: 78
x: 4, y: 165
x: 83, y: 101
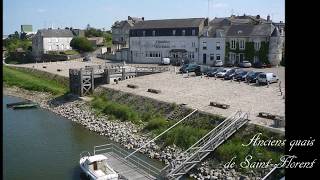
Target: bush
x: 81, y: 44
x: 122, y: 112
x: 183, y: 136
x: 156, y: 123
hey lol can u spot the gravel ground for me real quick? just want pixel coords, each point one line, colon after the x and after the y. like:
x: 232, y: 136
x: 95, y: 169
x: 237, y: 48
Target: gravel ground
x: 197, y: 92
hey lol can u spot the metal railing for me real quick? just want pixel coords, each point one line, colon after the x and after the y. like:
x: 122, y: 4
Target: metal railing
x: 205, y: 146
x: 134, y: 161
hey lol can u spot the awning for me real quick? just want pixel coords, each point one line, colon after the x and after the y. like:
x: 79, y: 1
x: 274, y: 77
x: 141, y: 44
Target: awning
x: 96, y: 158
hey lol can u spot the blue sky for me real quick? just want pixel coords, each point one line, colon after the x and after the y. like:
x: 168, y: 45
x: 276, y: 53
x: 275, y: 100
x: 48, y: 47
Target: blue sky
x: 102, y: 13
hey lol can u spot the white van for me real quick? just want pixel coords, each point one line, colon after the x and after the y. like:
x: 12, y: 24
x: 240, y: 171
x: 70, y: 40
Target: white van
x: 165, y: 61
x: 265, y: 78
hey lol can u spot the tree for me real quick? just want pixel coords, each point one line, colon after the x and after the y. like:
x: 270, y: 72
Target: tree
x: 81, y: 44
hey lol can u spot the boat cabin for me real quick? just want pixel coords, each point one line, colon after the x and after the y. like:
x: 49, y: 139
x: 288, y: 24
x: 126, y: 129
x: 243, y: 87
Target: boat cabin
x: 97, y: 168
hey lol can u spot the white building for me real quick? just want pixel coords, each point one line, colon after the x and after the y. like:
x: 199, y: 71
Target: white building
x: 47, y: 40
x: 178, y: 39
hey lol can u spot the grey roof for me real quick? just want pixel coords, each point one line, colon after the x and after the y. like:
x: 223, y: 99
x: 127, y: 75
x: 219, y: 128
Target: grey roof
x: 55, y: 33
x: 121, y: 24
x: 262, y: 30
x: 169, y: 23
x: 240, y: 30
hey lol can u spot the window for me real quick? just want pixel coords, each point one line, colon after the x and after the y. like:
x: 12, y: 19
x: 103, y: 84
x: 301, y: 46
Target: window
x: 218, y: 45
x: 49, y: 40
x: 57, y: 40
x: 192, y: 55
x: 173, y: 32
x: 183, y: 32
x: 143, y: 33
x: 193, y: 32
x: 193, y: 44
x: 233, y: 44
x: 49, y: 48
x: 255, y: 59
x: 204, y: 45
x: 241, y: 44
x: 257, y: 45
x: 218, y: 57
x: 153, y: 33
x: 211, y: 57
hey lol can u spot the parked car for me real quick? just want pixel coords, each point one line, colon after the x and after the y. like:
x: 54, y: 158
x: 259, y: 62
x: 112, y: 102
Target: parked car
x: 228, y: 64
x: 165, y: 61
x: 191, y: 68
x: 218, y: 63
x: 213, y: 72
x: 245, y: 64
x: 252, y: 77
x: 265, y: 78
x: 87, y: 58
x: 259, y: 65
x: 241, y: 76
x: 229, y: 75
x: 223, y: 72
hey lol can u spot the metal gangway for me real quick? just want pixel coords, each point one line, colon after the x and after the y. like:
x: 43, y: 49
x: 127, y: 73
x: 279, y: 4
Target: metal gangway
x: 131, y: 168
x: 197, y: 152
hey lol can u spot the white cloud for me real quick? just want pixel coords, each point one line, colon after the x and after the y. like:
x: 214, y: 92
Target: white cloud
x: 41, y: 10
x: 220, y: 5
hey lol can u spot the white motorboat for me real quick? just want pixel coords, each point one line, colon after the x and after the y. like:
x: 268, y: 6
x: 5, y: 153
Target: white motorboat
x: 96, y: 167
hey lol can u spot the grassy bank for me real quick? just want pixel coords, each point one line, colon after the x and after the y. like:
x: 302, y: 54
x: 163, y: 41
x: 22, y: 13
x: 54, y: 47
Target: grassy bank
x: 151, y: 114
x: 32, y: 81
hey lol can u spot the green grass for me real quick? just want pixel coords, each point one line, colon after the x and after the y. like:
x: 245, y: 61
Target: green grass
x: 120, y: 111
x: 70, y: 52
x: 31, y: 81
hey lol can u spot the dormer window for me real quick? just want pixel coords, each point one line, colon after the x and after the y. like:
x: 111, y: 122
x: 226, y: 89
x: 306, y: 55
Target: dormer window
x: 240, y: 32
x: 143, y: 33
x: 193, y: 32
x: 183, y: 32
x: 173, y: 32
x: 153, y: 33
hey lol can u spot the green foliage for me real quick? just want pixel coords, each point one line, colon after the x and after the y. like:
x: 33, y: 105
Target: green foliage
x: 156, y: 123
x: 69, y: 52
x: 250, y: 51
x: 183, y: 136
x: 263, y: 52
x: 120, y: 111
x: 13, y: 43
x: 31, y: 81
x: 92, y: 32
x: 81, y: 44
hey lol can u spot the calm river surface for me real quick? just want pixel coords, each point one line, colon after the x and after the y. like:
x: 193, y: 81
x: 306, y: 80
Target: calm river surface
x: 38, y: 144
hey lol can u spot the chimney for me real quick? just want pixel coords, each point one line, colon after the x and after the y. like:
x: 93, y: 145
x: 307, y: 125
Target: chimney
x: 129, y: 17
x: 268, y: 18
x: 206, y: 22
x: 258, y: 16
x: 142, y: 18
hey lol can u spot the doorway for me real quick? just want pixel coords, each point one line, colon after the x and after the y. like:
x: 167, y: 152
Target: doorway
x: 204, y: 58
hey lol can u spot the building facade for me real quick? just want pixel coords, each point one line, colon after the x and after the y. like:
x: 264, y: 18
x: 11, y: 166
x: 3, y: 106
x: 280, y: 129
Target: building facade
x: 47, y: 40
x: 178, y: 39
x: 120, y: 32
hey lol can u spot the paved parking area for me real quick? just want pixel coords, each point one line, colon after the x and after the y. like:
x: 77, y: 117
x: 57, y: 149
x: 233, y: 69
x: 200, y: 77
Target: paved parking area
x: 197, y: 92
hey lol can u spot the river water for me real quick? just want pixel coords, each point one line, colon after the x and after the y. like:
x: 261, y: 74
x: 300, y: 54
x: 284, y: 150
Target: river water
x: 38, y: 144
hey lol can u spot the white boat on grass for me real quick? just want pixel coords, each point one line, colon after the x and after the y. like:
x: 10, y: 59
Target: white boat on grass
x: 96, y: 167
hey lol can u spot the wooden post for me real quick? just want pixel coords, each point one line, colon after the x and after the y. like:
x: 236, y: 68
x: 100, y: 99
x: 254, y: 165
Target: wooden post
x: 81, y: 83
x: 92, y: 80
x: 123, y: 74
x: 107, y: 75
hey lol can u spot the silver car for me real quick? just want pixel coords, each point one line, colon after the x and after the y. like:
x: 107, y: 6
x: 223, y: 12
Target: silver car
x: 218, y: 63
x: 245, y: 64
